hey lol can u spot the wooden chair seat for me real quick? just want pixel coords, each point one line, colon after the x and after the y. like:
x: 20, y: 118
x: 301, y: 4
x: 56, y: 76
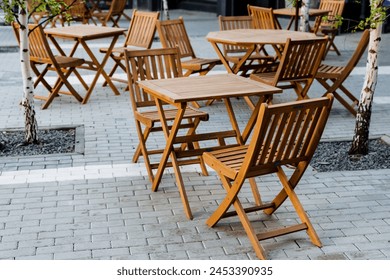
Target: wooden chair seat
x: 284, y: 135
x: 200, y: 64
x: 332, y: 77
x: 66, y: 61
x: 150, y: 118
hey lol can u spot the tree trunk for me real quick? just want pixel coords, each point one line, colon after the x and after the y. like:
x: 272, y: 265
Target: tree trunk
x: 165, y: 9
x: 31, y: 127
x: 363, y: 116
x: 304, y: 26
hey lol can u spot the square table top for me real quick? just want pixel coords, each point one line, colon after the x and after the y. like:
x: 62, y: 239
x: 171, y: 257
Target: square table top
x: 85, y: 32
x: 258, y: 36
x: 196, y: 88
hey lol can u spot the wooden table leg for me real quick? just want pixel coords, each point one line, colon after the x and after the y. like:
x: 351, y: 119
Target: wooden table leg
x: 170, y: 135
x: 99, y: 68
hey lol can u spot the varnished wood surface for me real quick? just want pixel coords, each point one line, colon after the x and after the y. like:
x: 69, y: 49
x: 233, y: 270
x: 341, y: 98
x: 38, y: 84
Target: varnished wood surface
x: 85, y: 32
x: 257, y: 36
x: 197, y: 88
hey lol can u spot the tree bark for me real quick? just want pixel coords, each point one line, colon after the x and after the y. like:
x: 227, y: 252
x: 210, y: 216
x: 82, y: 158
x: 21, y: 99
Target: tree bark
x: 360, y: 143
x: 165, y: 9
x: 304, y: 26
x: 31, y: 126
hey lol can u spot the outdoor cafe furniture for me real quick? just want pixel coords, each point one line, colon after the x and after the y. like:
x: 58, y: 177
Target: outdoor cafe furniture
x: 234, y: 53
x: 81, y: 35
x: 179, y: 92
x: 114, y: 13
x: 153, y: 64
x: 298, y: 66
x: 251, y: 39
x: 263, y: 18
x: 284, y: 140
x: 292, y: 14
x: 139, y: 35
x: 173, y: 34
x: 332, y: 77
x: 41, y: 56
x: 329, y: 25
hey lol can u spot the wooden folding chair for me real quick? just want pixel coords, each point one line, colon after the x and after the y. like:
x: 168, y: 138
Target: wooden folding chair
x: 41, y: 55
x: 114, y: 14
x: 148, y: 65
x: 75, y: 11
x: 326, y: 25
x: 139, y: 36
x: 285, y: 135
x: 263, y: 18
x: 172, y: 34
x: 332, y: 77
x: 298, y: 66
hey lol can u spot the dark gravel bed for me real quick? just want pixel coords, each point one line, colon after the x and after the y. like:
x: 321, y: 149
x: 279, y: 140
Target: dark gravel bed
x: 333, y: 156
x: 51, y: 141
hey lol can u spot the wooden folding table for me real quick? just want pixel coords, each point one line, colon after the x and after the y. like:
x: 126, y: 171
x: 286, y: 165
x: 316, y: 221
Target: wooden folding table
x: 81, y: 34
x: 292, y: 13
x: 181, y: 91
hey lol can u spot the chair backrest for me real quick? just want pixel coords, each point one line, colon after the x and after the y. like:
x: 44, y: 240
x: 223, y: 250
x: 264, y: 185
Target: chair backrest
x: 78, y: 10
x: 39, y: 46
x: 15, y: 28
x: 117, y: 7
x: 300, y: 59
x: 263, y: 18
x: 150, y: 64
x: 142, y: 29
x: 174, y: 34
x: 357, y: 54
x: 234, y: 22
x: 286, y: 134
x: 336, y: 8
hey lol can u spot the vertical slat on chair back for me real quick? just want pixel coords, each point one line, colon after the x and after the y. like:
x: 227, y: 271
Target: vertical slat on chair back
x: 263, y: 18
x: 287, y: 133
x: 150, y: 65
x: 174, y: 34
x: 142, y: 29
x: 38, y: 45
x: 234, y: 22
x: 300, y: 59
x: 335, y: 7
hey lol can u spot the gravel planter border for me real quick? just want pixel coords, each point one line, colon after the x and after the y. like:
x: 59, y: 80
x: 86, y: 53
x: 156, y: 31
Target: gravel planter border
x: 68, y: 140
x: 332, y: 155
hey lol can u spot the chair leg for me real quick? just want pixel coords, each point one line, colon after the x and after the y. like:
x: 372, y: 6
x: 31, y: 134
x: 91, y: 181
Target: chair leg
x: 289, y: 189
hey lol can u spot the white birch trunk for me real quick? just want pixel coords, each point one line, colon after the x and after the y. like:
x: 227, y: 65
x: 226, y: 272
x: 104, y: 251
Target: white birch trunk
x: 165, y: 9
x: 360, y: 142
x: 31, y: 127
x: 304, y: 19
x: 363, y: 116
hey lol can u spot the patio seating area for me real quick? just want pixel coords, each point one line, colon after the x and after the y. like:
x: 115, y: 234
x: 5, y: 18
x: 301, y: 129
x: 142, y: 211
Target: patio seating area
x: 98, y: 204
